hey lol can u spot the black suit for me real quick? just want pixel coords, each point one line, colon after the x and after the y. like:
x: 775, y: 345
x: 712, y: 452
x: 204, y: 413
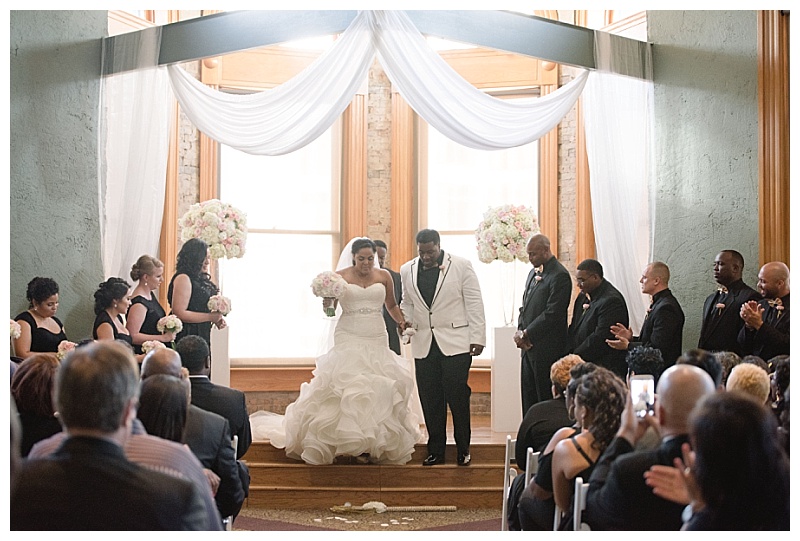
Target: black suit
x: 542, y: 420
x: 88, y: 484
x: 543, y: 317
x: 773, y: 337
x: 230, y: 403
x: 591, y: 328
x: 619, y: 499
x: 391, y: 324
x: 208, y: 435
x: 721, y: 326
x: 663, y: 327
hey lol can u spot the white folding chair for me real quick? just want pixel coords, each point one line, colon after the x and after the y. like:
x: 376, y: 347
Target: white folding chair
x: 228, y: 521
x: 579, y: 506
x: 557, y: 517
x: 531, y: 465
x: 509, y: 474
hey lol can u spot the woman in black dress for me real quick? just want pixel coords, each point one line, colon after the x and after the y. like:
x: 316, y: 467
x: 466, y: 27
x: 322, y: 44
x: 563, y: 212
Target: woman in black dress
x: 190, y: 289
x: 145, y: 310
x: 111, y: 300
x: 32, y: 389
x: 41, y: 330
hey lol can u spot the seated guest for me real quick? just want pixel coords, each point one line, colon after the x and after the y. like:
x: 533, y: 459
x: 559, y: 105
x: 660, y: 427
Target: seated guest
x: 111, y: 301
x: 783, y: 420
x: 32, y: 390
x: 643, y: 360
x: 737, y: 473
x: 163, y: 406
x: 230, y: 403
x: 88, y: 484
x: 618, y: 498
x: 705, y: 360
x: 757, y: 361
x: 40, y: 329
x: 145, y: 310
x: 779, y: 383
x: 749, y: 379
x: 728, y: 360
x: 766, y: 322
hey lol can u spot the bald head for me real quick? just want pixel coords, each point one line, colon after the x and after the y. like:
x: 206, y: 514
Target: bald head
x: 539, y: 250
x: 773, y: 280
x: 655, y: 278
x: 161, y: 361
x: 680, y: 388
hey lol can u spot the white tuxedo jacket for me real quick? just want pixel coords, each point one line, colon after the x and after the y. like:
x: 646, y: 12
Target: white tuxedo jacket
x: 456, y: 314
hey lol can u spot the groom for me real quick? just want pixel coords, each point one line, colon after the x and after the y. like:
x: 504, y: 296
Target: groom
x: 442, y: 303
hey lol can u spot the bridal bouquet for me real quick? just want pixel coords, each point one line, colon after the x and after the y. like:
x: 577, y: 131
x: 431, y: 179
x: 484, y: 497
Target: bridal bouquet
x: 64, y: 347
x: 219, y: 303
x: 222, y: 226
x: 150, y: 345
x: 16, y: 330
x: 504, y: 233
x: 170, y: 323
x: 329, y: 285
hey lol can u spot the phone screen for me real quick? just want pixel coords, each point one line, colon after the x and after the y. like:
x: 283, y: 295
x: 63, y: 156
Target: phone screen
x: 642, y: 394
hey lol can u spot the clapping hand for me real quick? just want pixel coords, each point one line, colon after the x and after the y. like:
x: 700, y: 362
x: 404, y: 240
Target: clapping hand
x: 622, y: 335
x: 752, y: 314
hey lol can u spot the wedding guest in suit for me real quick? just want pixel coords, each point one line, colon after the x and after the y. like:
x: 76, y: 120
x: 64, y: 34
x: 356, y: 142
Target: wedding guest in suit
x: 442, y: 302
x: 598, y: 306
x: 766, y: 323
x: 721, y: 320
x: 40, y: 329
x: 224, y: 401
x: 663, y: 325
x: 145, y: 310
x: 32, y: 390
x: 111, y: 300
x: 618, y: 497
x: 391, y: 324
x: 88, y: 482
x: 209, y: 437
x: 542, y: 334
x: 191, y: 288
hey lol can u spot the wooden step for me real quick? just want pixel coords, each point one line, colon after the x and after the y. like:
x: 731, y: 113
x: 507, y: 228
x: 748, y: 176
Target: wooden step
x: 295, y: 498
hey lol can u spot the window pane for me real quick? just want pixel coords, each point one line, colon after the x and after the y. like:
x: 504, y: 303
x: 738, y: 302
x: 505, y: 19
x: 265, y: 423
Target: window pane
x: 281, y: 192
x: 275, y: 314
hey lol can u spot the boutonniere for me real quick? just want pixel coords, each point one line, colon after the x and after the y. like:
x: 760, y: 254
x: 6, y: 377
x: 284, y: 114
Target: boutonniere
x: 538, y: 278
x: 585, y: 306
x: 441, y: 268
x: 720, y: 306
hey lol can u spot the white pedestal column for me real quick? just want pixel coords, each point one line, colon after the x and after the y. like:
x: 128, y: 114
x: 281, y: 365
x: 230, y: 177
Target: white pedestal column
x: 220, y: 361
x: 506, y: 398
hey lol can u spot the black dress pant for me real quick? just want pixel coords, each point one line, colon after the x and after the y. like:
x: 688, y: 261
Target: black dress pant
x: 534, y: 380
x: 442, y: 382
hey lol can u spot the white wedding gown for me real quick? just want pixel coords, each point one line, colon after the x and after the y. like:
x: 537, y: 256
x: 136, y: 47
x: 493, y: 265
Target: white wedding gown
x: 358, y: 400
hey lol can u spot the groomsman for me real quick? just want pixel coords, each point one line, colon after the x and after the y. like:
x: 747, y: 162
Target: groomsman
x: 542, y: 334
x: 391, y: 324
x: 442, y: 302
x: 766, y: 323
x: 721, y: 320
x: 598, y: 306
x: 663, y: 325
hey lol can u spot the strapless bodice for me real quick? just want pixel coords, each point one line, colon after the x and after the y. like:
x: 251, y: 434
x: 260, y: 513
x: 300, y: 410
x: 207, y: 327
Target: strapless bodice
x: 361, y: 314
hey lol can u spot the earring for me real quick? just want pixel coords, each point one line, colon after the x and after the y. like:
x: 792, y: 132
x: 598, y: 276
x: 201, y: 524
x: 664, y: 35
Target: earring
x: 145, y: 281
x: 115, y: 306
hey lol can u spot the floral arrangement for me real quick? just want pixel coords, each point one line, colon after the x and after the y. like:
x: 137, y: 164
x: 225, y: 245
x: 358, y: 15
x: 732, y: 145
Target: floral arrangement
x: 170, y: 323
x: 150, y: 345
x: 328, y: 285
x: 16, y: 330
x: 504, y: 233
x: 64, y: 347
x: 222, y: 226
x: 219, y: 303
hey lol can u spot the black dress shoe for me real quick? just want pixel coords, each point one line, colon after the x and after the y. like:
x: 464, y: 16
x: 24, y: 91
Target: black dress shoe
x: 464, y: 460
x: 432, y: 460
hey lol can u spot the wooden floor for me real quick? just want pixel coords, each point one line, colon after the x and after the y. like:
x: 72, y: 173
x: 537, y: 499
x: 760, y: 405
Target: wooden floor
x: 481, y: 431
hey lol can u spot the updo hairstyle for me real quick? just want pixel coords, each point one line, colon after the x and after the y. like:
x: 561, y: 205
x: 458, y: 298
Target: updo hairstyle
x: 360, y: 244
x: 113, y: 289
x: 146, y: 264
x: 40, y: 289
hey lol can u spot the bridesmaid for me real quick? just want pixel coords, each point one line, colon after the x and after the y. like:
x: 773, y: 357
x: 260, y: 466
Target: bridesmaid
x: 190, y: 289
x: 42, y: 331
x: 145, y: 310
x: 111, y: 300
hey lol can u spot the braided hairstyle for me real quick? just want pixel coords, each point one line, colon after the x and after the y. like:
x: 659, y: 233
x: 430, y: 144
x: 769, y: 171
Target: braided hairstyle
x: 602, y: 393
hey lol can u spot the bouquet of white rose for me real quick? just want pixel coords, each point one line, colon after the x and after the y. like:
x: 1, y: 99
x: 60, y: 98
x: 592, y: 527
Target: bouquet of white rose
x: 64, y: 347
x: 16, y: 330
x: 222, y: 226
x: 150, y: 345
x: 219, y: 303
x: 504, y: 232
x: 329, y: 285
x: 170, y: 323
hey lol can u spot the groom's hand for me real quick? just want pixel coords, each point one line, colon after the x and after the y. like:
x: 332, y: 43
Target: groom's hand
x: 475, y: 349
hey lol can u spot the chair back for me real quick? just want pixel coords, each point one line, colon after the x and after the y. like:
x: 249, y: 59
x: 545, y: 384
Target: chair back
x: 531, y: 465
x: 228, y: 521
x: 509, y: 474
x: 579, y: 506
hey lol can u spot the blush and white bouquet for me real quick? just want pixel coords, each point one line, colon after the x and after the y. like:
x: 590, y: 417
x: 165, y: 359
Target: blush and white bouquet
x: 170, y: 323
x: 150, y: 345
x: 64, y: 347
x: 504, y: 233
x: 16, y: 330
x: 219, y: 303
x: 222, y: 226
x: 329, y: 285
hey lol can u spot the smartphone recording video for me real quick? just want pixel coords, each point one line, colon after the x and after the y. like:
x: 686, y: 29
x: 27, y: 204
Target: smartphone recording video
x: 642, y: 394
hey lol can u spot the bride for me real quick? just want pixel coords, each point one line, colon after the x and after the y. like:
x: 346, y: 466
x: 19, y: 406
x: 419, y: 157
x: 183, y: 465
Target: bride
x: 357, y: 403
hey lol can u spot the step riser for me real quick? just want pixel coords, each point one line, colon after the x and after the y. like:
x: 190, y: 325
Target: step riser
x: 264, y: 452
x: 323, y: 499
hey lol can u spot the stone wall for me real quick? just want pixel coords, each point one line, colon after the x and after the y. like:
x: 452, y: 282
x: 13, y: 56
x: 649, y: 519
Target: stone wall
x: 379, y: 155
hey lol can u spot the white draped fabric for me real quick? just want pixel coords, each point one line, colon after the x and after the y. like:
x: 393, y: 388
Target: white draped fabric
x: 283, y: 119
x: 618, y: 120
